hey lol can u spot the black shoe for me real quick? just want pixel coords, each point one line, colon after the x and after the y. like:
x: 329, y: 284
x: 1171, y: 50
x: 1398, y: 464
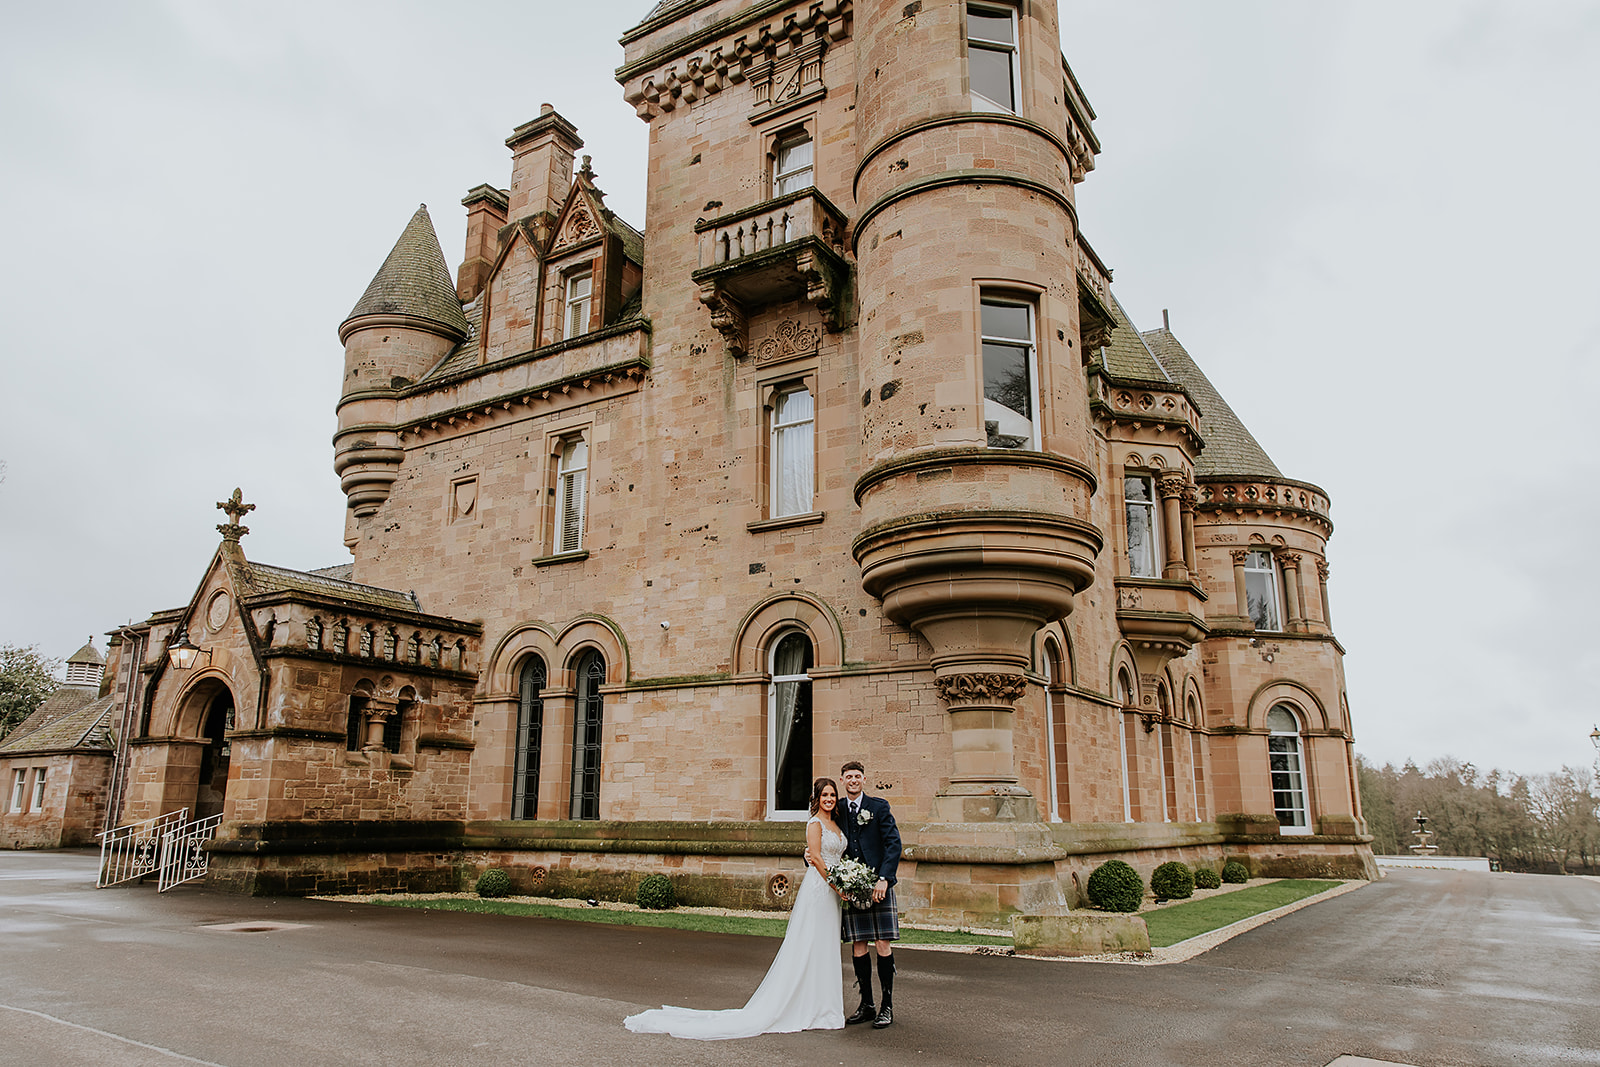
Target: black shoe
x: 885, y: 1019
x: 864, y: 1014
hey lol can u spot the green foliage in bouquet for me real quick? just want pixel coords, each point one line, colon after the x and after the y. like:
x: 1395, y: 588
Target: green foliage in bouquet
x: 1172, y: 881
x: 494, y: 883
x: 656, y: 893
x: 1115, y: 886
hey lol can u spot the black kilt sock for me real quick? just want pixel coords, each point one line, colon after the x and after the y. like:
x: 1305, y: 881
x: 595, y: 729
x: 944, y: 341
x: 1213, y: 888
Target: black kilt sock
x: 863, y: 964
x: 885, y: 977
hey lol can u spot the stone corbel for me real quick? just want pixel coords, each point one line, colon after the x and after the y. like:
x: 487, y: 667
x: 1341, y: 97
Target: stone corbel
x: 728, y: 317
x: 824, y: 288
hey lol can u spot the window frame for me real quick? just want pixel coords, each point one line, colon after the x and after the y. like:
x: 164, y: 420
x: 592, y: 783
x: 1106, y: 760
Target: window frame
x: 570, y: 304
x: 19, y: 790
x: 569, y: 483
x: 1012, y: 49
x: 528, y: 742
x: 588, y: 733
x: 39, y: 780
x: 789, y: 137
x: 776, y: 452
x: 1273, y: 585
x: 1126, y: 697
x: 999, y: 296
x: 1295, y: 781
x: 1153, y: 508
x: 804, y: 697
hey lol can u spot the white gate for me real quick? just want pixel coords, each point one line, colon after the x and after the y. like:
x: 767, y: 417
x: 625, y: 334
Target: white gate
x: 135, y: 850
x: 183, y: 854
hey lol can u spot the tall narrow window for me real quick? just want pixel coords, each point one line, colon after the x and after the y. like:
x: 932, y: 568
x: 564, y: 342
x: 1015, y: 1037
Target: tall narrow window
x: 355, y: 724
x: 793, y: 453
x: 1056, y: 709
x: 1288, y: 772
x: 530, y: 730
x: 791, y: 164
x: 992, y: 57
x: 789, y: 719
x: 1197, y: 753
x: 38, y: 788
x: 1139, y: 505
x: 1261, y: 590
x: 579, y: 289
x: 19, y: 790
x: 394, y: 726
x: 1130, y: 752
x: 1010, y: 396
x: 571, y: 472
x: 588, y: 720
x: 1169, y: 761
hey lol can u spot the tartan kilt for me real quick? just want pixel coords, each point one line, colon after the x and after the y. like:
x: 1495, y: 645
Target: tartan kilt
x: 881, y: 922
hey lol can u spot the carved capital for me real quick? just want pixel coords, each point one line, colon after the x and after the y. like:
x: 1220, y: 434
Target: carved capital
x: 1241, y: 555
x: 1289, y: 559
x: 1189, y: 497
x: 980, y: 688
x: 1171, y: 485
x: 1322, y: 569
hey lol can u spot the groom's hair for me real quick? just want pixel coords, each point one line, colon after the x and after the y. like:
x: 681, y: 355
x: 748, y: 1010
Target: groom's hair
x: 853, y: 765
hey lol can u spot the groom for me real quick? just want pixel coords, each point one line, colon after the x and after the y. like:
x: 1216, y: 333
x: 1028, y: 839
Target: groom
x: 874, y: 840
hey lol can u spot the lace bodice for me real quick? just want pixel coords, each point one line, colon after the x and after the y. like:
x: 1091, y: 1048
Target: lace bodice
x: 833, y: 841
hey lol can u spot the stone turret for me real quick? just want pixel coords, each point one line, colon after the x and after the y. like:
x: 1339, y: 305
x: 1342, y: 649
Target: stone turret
x: 405, y: 322
x: 975, y: 500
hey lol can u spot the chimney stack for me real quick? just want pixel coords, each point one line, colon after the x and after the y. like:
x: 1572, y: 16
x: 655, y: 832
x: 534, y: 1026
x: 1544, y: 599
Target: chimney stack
x: 541, y: 165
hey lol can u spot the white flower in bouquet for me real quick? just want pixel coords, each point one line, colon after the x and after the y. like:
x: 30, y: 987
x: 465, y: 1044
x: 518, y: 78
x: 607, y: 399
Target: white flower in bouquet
x: 854, y: 880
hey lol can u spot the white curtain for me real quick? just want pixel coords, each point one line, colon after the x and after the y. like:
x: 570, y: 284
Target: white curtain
x: 787, y: 662
x: 794, y: 461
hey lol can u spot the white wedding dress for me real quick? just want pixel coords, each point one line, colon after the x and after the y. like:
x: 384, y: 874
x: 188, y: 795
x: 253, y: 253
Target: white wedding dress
x: 804, y: 987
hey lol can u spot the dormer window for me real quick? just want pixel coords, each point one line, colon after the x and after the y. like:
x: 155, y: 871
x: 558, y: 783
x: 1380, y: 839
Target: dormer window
x: 580, y: 288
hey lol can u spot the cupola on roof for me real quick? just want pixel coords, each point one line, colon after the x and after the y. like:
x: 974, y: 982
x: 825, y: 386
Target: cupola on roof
x: 414, y: 280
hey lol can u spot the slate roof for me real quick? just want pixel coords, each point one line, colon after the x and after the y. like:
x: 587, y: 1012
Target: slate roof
x: 414, y: 280
x: 1127, y: 355
x: 70, y: 718
x: 1231, y: 450
x: 265, y: 578
x: 88, y: 654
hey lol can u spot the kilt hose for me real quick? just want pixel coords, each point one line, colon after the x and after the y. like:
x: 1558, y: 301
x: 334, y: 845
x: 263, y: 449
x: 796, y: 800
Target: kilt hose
x: 881, y: 922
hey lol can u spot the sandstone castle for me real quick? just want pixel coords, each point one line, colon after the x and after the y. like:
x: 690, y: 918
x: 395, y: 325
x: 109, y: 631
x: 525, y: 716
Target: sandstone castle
x: 849, y: 452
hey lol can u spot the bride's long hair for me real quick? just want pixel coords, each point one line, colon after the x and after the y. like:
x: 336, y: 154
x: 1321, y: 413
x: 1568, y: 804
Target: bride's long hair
x: 816, y: 798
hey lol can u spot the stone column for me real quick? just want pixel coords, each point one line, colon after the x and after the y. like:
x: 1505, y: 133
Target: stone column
x: 1322, y: 583
x: 1171, y: 490
x: 377, y: 712
x: 1239, y: 557
x: 1290, y: 562
x: 1187, y: 501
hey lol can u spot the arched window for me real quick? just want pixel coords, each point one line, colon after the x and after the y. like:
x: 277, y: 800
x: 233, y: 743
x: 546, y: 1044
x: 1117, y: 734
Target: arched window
x: 589, y: 716
x: 789, y: 726
x: 1197, y: 753
x: 1130, y: 801
x: 1056, y: 732
x: 1288, y: 772
x: 1169, y: 759
x: 530, y: 730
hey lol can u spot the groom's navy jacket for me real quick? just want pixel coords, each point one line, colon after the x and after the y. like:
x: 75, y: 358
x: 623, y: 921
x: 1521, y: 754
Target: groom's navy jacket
x: 877, y: 842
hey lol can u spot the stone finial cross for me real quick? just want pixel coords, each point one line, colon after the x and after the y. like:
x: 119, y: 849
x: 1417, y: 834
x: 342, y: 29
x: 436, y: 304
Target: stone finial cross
x: 235, y: 508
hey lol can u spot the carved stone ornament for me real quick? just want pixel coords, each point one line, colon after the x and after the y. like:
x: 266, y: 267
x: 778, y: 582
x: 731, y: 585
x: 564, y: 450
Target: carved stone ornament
x: 579, y: 227
x: 980, y: 688
x: 788, y: 340
x: 1322, y: 569
x: 1241, y: 555
x: 1129, y: 599
x: 1189, y: 497
x: 1289, y: 559
x: 1171, y: 485
x: 235, y: 508
x: 727, y: 317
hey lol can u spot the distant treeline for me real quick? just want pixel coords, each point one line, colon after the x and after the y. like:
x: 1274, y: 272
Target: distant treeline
x: 1541, y: 822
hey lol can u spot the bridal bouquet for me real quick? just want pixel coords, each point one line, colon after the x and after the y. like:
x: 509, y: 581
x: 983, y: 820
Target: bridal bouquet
x: 854, y: 880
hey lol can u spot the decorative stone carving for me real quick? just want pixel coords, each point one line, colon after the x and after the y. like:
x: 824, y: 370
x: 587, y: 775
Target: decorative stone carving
x: 1129, y: 599
x: 1240, y: 556
x: 235, y: 508
x: 1322, y: 570
x: 986, y: 687
x: 790, y: 339
x: 727, y: 317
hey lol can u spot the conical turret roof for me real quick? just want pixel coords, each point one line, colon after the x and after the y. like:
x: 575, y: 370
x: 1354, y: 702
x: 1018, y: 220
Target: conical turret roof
x: 1231, y: 450
x: 414, y: 280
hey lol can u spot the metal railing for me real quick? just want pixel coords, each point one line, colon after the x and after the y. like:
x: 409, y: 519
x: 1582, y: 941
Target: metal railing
x: 183, y: 854
x: 135, y: 850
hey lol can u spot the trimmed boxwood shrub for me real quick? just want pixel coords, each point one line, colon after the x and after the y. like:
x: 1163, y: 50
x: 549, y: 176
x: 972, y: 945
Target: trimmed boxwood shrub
x: 656, y: 893
x: 1115, y: 886
x: 1235, y: 873
x: 494, y: 883
x: 1172, y: 881
x: 1206, y: 878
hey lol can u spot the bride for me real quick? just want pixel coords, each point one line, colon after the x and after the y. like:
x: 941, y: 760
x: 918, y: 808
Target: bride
x: 804, y: 987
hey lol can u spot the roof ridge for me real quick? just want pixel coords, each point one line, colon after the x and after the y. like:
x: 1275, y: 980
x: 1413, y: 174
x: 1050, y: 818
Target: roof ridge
x: 1230, y: 448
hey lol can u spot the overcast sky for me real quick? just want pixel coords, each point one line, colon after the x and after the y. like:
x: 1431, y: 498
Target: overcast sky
x: 1374, y: 224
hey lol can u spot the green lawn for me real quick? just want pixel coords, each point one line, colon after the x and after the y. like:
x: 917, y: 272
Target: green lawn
x: 1168, y: 924
x: 1172, y: 923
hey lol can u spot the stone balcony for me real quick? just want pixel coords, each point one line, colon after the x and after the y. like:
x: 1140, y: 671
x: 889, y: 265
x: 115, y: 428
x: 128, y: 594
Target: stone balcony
x: 784, y: 249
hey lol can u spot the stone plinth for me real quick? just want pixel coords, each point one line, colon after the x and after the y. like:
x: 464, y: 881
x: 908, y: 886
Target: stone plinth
x: 1078, y: 934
